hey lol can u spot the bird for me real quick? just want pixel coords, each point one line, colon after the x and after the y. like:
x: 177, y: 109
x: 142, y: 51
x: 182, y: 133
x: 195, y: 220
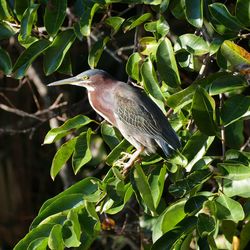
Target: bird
x: 128, y: 108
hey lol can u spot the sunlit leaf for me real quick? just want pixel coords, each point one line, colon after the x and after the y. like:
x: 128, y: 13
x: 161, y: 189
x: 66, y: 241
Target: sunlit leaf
x: 194, y: 12
x: 28, y: 56
x: 203, y: 111
x: 234, y: 171
x: 132, y: 22
x: 55, y: 54
x: 115, y: 22
x: 61, y: 157
x: 166, y: 64
x: 133, y: 66
x: 73, y: 123
x: 20, y: 7
x: 109, y: 135
x: 55, y: 13
x: 55, y: 241
x: 4, y: 11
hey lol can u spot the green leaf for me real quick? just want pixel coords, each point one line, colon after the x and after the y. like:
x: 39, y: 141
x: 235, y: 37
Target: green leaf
x: 116, y: 152
x: 220, y: 12
x: 28, y: 56
x: 132, y: 22
x: 244, y: 236
x: 243, y: 12
x: 87, y: 17
x: 86, y: 187
x: 71, y: 230
x: 166, y: 64
x: 205, y: 225
x: 228, y: 209
x: 29, y: 18
x: 6, y: 31
x: 193, y: 44
x: 176, y: 235
x: 109, y: 135
x: 96, y: 52
x: 236, y: 187
x: 38, y: 244
x: 203, y: 111
x: 150, y: 80
x: 55, y: 54
x: 196, y: 147
x: 234, y: 54
x: 38, y: 234
x: 20, y: 7
x: 170, y: 217
x: 55, y: 238
x: 133, y: 66
x: 144, y: 189
x: 73, y: 123
x: 182, y: 98
x: 195, y: 204
x: 4, y: 11
x: 156, y: 182
x: 5, y: 62
x: 234, y: 171
x: 115, y: 22
x: 54, y: 16
x: 194, y: 12
x: 148, y: 46
x: 82, y: 153
x: 66, y: 66
x: 193, y: 180
x: 234, y: 108
x: 61, y: 157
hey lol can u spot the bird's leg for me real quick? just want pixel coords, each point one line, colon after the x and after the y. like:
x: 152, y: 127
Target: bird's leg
x: 133, y: 158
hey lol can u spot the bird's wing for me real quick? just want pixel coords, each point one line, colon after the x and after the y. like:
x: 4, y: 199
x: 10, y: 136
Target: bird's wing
x: 145, y: 116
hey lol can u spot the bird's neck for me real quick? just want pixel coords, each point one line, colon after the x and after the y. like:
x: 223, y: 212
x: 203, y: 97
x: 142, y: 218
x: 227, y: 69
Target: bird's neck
x: 102, y: 101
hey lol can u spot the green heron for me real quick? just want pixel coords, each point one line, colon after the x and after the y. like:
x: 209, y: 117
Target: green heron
x: 128, y: 108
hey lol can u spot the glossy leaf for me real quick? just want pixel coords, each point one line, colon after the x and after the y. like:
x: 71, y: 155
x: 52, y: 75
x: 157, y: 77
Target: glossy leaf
x: 195, y: 204
x: 6, y: 31
x: 4, y: 11
x: 182, y: 98
x: 234, y: 171
x: 240, y: 188
x: 61, y: 157
x: 166, y: 63
x: 87, y: 17
x: 144, y: 188
x: 234, y: 108
x: 71, y: 230
x: 196, y: 147
x: 82, y: 153
x: 133, y: 66
x: 228, y: 209
x: 66, y: 66
x: 235, y: 54
x: 96, y: 52
x: 54, y: 16
x: 193, y: 44
x: 220, y: 12
x: 55, y: 54
x: 203, y: 111
x: 109, y: 135
x: 150, y: 80
x: 115, y: 22
x: 148, y: 46
x: 170, y: 217
x: 194, y: 12
x: 29, y: 18
x: 132, y: 22
x: 5, y: 62
x: 176, y: 235
x: 28, y: 56
x: 205, y: 225
x: 159, y: 28
x: 243, y: 12
x: 55, y: 241
x: 86, y: 187
x: 73, y: 123
x: 38, y: 244
x: 184, y: 186
x: 20, y: 7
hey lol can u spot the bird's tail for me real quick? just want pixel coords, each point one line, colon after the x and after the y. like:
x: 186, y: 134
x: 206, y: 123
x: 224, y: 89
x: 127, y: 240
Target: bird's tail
x: 167, y: 150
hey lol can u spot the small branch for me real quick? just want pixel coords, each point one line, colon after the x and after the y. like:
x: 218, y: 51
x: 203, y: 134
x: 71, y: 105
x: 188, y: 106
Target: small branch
x: 246, y: 144
x: 223, y: 142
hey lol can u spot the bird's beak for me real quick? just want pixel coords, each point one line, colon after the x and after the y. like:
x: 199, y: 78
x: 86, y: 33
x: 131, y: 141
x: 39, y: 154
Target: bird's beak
x: 70, y: 81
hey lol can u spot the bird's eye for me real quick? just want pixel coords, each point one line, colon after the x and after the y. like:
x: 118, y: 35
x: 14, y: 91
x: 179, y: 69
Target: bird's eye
x: 85, y: 77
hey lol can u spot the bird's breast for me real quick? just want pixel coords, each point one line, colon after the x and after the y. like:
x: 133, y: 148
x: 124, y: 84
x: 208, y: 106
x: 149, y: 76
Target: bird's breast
x: 102, y: 102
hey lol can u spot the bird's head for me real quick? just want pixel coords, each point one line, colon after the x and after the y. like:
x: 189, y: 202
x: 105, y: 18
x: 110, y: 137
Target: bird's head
x: 89, y: 79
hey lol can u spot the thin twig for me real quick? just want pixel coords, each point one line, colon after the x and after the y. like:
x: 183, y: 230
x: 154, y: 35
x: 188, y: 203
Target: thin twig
x: 223, y: 142
x: 246, y: 144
